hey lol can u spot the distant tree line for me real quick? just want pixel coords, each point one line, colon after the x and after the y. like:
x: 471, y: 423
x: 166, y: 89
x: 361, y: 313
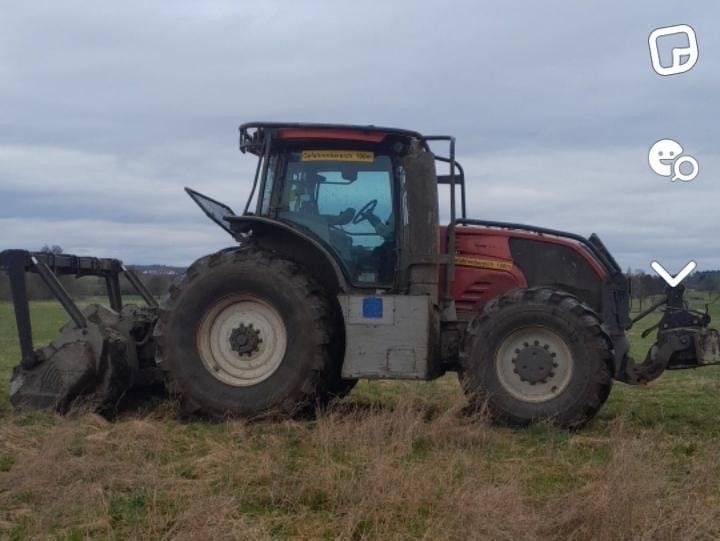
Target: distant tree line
x: 157, y: 278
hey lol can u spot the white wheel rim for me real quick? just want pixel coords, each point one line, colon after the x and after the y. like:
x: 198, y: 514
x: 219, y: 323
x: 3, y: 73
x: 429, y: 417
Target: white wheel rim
x: 534, y: 364
x: 242, y: 340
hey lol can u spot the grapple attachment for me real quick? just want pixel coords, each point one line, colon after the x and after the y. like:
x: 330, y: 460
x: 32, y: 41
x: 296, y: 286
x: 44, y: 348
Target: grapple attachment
x: 99, y: 356
x: 684, y: 340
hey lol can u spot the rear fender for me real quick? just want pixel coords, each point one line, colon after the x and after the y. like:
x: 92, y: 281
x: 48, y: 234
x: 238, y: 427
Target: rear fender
x: 295, y: 245
x: 277, y: 236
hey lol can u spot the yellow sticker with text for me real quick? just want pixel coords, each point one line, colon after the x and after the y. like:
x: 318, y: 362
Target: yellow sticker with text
x: 483, y: 263
x: 337, y: 156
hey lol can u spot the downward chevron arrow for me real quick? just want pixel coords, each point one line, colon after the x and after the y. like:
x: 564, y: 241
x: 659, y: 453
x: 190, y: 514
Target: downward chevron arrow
x: 673, y: 281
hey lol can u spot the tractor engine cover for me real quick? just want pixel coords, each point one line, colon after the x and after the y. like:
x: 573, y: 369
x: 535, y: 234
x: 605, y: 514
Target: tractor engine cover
x: 88, y: 369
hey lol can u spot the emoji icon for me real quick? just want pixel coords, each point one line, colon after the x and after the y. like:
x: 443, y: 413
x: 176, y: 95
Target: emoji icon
x: 666, y: 159
x: 683, y: 58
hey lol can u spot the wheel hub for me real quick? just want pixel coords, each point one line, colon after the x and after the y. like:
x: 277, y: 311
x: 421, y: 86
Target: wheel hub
x: 534, y: 363
x: 242, y: 340
x: 245, y: 339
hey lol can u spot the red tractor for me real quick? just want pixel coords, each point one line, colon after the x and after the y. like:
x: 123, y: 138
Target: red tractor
x: 343, y: 271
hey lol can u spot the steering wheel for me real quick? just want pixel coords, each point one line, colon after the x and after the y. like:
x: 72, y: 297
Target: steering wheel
x: 367, y: 208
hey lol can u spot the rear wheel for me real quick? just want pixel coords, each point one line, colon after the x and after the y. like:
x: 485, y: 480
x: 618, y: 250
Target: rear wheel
x: 536, y: 354
x: 248, y: 333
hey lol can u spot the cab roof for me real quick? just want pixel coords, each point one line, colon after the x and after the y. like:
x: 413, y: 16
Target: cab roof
x: 253, y: 135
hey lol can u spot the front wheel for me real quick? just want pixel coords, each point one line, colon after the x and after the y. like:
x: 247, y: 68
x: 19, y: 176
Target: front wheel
x: 537, y: 354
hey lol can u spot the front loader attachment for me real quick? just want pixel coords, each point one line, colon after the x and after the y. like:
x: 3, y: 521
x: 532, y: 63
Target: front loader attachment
x: 684, y: 340
x: 100, y: 354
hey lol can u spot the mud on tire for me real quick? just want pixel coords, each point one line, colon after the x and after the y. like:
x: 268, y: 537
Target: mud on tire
x: 271, y: 315
x: 537, y: 354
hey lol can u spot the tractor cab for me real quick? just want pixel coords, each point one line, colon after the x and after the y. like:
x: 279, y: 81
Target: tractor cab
x: 344, y: 188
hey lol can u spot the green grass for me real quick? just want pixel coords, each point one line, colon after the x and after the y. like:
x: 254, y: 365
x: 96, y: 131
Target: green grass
x: 397, y: 461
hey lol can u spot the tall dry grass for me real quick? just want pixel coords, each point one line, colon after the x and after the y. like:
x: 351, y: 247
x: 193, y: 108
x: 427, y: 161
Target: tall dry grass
x: 410, y: 471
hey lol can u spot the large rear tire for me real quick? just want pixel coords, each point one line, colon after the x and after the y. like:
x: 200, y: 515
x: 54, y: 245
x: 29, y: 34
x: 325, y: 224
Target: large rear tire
x: 537, y: 354
x: 247, y: 333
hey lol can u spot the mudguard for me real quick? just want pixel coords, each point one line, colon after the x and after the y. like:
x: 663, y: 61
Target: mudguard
x: 274, y: 234
x: 296, y: 245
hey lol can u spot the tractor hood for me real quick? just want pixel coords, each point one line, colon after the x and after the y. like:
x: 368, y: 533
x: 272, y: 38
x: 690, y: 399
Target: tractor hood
x: 591, y: 248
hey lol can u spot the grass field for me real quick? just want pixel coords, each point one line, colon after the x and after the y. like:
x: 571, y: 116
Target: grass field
x: 392, y: 461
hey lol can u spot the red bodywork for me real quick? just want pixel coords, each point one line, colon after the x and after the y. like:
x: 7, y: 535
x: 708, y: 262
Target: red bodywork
x: 484, y: 266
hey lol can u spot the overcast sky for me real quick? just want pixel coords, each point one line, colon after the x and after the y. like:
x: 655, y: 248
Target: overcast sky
x: 107, y: 110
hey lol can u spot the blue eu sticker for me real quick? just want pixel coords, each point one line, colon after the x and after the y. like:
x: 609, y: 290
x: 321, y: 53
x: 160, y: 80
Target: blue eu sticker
x: 373, y: 307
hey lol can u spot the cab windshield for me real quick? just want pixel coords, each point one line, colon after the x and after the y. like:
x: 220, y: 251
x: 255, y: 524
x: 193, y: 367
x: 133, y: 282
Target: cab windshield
x: 345, y: 199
